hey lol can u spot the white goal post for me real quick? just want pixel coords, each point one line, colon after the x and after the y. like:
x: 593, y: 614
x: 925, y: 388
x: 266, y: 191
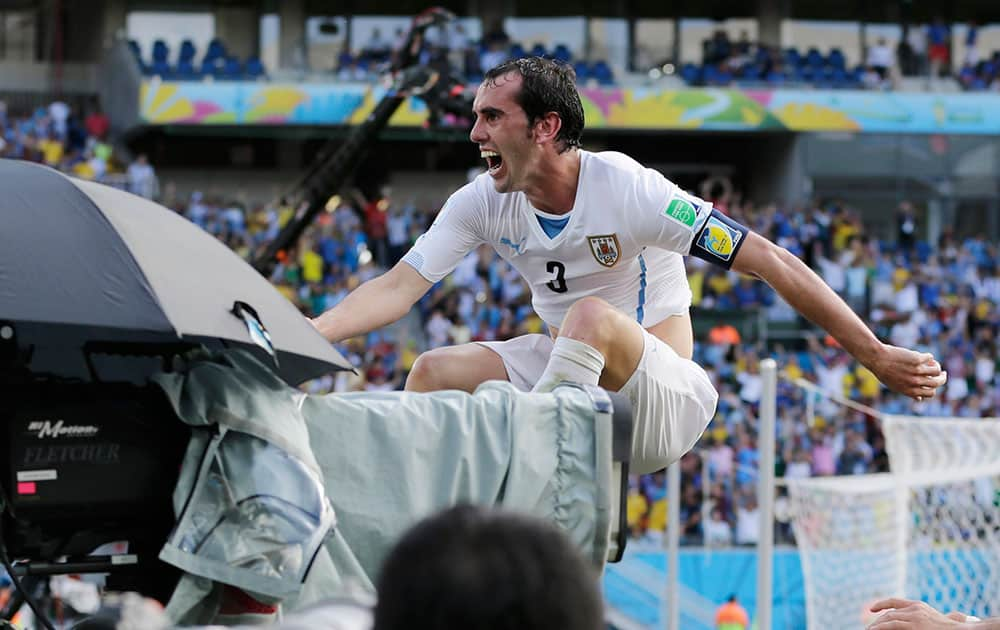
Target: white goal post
x: 929, y: 529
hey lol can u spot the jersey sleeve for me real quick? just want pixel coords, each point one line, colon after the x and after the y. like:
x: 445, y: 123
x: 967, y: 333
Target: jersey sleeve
x: 454, y: 233
x: 669, y: 218
x: 665, y: 216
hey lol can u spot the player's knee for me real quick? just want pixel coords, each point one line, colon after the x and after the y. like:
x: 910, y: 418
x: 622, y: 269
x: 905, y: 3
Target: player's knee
x: 429, y: 372
x: 589, y: 319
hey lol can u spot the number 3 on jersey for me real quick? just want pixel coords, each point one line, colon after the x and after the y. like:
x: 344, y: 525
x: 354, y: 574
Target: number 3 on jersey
x: 557, y: 284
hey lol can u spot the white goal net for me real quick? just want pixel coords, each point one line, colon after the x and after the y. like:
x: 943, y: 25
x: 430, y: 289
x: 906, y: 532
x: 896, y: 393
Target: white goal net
x: 929, y: 529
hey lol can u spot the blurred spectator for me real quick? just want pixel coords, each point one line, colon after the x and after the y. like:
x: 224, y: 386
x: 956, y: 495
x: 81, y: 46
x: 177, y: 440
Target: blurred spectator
x: 856, y: 456
x: 470, y: 567
x: 906, y: 227
x: 718, y: 531
x: 971, y: 51
x: 97, y: 123
x: 493, y: 55
x: 637, y: 509
x: 496, y: 35
x: 59, y: 112
x: 732, y: 616
x: 748, y: 521
x: 718, y: 48
x: 916, y: 38
x: 376, y: 213
x: 377, y: 48
x: 881, y: 59
x: 142, y: 178
x: 938, y: 47
x: 438, y: 330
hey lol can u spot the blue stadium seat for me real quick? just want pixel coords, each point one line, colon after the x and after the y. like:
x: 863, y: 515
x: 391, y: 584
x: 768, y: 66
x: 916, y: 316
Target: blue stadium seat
x: 836, y: 59
x: 792, y: 57
x: 582, y: 71
x: 211, y: 67
x: 187, y: 52
x: 538, y: 50
x: 254, y: 68
x: 161, y: 69
x: 160, y: 51
x: 602, y: 72
x: 749, y: 72
x: 814, y: 58
x: 824, y: 77
x: 839, y: 78
x: 216, y: 49
x: 186, y: 71
x: 691, y: 73
x: 517, y: 51
x: 561, y: 53
x: 214, y: 61
x: 714, y: 76
x: 232, y: 69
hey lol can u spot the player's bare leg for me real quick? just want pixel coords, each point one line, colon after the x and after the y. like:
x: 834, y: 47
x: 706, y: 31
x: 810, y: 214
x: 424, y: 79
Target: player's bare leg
x: 596, y: 344
x: 462, y: 367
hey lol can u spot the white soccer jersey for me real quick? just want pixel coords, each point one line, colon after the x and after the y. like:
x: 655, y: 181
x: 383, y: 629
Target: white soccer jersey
x: 622, y: 241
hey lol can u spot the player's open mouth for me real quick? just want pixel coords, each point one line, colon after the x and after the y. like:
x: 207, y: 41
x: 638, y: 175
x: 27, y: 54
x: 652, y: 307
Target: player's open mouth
x: 493, y: 161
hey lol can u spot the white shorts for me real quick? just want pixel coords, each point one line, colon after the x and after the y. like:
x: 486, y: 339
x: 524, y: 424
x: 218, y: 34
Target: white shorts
x: 672, y: 398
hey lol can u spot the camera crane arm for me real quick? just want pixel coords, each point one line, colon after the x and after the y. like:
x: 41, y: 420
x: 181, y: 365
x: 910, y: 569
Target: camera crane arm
x: 327, y: 175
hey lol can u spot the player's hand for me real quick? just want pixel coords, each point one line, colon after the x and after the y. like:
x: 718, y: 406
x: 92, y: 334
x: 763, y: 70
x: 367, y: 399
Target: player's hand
x: 315, y: 322
x: 915, y: 374
x: 906, y: 614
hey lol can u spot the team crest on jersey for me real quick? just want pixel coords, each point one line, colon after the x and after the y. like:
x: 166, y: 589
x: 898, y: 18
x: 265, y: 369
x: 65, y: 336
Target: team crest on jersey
x: 605, y: 248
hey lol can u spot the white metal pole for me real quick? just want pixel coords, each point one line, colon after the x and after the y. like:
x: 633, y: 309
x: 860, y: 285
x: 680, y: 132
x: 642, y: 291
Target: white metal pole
x: 706, y: 497
x: 765, y: 490
x: 672, y: 614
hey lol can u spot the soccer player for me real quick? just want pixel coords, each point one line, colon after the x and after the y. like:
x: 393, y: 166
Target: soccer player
x: 599, y: 239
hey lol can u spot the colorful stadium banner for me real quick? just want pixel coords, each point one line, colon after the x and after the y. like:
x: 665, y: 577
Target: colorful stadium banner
x: 244, y: 103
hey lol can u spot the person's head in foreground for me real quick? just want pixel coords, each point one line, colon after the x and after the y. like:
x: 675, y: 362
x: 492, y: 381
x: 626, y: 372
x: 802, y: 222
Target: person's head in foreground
x: 483, y: 569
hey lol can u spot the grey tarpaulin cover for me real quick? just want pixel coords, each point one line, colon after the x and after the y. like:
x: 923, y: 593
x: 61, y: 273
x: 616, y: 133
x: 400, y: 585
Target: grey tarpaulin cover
x: 384, y: 461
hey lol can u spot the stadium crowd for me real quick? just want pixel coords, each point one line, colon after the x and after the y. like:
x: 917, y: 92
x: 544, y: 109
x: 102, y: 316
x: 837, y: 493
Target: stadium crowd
x: 937, y: 299
x: 452, y: 48
x: 940, y: 299
x: 74, y: 142
x: 929, y: 51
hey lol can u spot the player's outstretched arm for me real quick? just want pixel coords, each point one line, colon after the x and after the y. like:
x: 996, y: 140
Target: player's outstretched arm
x: 906, y: 614
x: 914, y: 374
x: 376, y: 303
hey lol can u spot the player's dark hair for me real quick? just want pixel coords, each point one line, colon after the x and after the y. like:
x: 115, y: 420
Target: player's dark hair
x: 481, y: 569
x: 547, y: 86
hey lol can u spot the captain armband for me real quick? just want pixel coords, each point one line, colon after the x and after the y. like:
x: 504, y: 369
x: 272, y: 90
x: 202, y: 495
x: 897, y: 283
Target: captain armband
x: 718, y: 240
